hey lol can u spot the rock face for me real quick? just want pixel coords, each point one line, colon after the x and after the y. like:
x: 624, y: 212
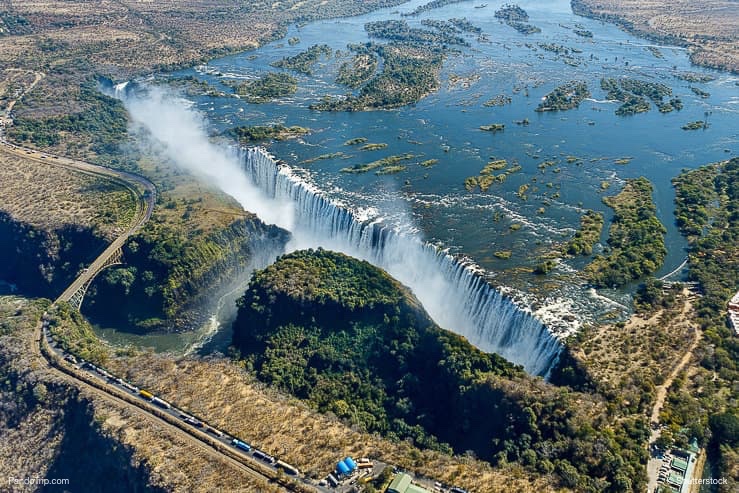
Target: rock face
x: 42, y: 262
x: 169, y: 282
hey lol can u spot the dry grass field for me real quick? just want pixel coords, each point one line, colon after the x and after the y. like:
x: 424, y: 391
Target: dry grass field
x: 229, y: 398
x: 49, y: 196
x: 710, y: 28
x: 628, y: 360
x: 112, y: 437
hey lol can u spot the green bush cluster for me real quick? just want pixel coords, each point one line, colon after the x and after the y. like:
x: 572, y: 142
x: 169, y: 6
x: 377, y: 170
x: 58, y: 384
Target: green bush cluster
x: 352, y: 341
x: 636, y: 238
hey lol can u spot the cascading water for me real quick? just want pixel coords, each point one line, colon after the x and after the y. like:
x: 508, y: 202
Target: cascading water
x: 453, y: 294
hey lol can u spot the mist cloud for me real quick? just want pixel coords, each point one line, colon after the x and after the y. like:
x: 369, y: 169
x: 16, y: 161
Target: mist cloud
x: 179, y: 132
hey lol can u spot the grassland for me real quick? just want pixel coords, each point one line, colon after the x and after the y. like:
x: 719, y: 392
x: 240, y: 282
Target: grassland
x: 709, y: 29
x: 628, y: 360
x: 48, y: 196
x: 287, y: 427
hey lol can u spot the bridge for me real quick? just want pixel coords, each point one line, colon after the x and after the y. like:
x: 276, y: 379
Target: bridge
x: 675, y: 271
x: 113, y: 254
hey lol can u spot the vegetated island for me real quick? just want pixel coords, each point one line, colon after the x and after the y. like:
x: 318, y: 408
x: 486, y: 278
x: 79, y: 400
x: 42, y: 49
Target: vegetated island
x: 591, y: 226
x: 350, y: 340
x: 357, y: 72
x: 270, y: 86
x: 636, y: 238
x: 695, y: 125
x: 412, y: 62
x: 259, y: 133
x: 517, y: 18
x: 304, y: 61
x: 434, y: 4
x: 633, y: 94
x: 486, y: 177
x: 564, y: 97
x: 388, y: 164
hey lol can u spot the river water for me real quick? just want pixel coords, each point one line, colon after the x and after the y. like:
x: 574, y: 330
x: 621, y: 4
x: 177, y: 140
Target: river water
x: 445, y: 126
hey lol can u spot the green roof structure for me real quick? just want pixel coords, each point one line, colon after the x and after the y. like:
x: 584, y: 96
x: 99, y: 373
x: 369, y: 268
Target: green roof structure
x: 679, y: 464
x: 401, y: 483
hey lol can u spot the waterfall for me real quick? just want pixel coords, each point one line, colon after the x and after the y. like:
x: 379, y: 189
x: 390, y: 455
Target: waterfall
x: 456, y: 296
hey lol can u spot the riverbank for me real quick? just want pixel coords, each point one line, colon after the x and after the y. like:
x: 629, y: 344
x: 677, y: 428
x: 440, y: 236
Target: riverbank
x: 709, y: 30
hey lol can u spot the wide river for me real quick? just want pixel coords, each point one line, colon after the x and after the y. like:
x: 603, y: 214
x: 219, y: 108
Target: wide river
x: 445, y: 126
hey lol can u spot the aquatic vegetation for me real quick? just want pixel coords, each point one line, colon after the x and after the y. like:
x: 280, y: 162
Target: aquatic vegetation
x: 503, y: 254
x: 583, y: 33
x: 500, y: 100
x: 373, y: 147
x: 591, y: 226
x: 293, y: 41
x: 696, y: 125
x: 268, y: 87
x: 623, y: 160
x: 604, y: 185
x: 429, y: 162
x: 323, y: 157
x: 355, y: 141
x: 385, y: 162
x: 494, y: 127
x: 564, y: 97
x: 700, y: 93
x: 515, y: 226
x: 521, y: 193
x: 303, y: 62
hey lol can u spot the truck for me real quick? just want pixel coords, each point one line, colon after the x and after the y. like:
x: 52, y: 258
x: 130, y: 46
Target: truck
x: 213, y: 431
x: 292, y: 470
x: 161, y: 403
x: 146, y: 394
x: 242, y: 445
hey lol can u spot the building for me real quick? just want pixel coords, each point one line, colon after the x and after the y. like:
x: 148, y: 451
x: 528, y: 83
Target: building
x: 401, y: 483
x: 734, y: 313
